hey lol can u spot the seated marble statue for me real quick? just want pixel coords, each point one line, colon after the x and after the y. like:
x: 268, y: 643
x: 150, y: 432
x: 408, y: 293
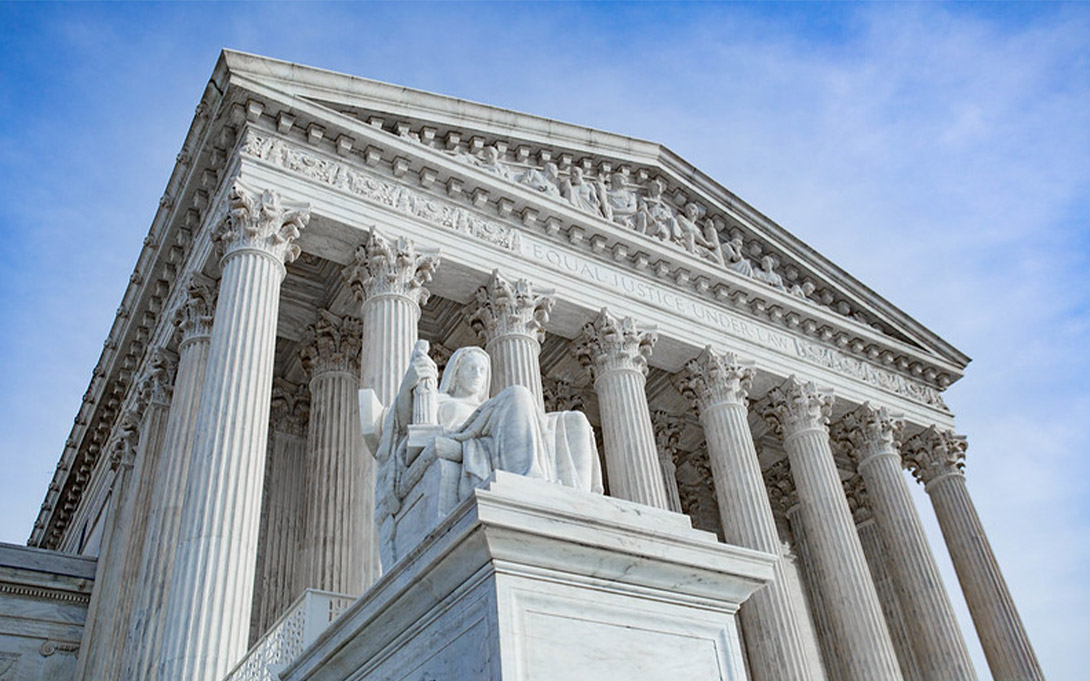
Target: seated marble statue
x: 459, y: 423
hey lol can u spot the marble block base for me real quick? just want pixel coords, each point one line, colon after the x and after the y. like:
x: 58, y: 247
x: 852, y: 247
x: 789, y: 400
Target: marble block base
x: 532, y: 580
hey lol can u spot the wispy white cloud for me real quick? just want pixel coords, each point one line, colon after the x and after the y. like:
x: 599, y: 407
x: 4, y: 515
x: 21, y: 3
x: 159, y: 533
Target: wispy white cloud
x: 939, y: 153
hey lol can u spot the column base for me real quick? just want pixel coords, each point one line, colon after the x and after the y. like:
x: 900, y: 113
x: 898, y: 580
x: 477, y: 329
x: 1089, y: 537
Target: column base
x: 531, y: 580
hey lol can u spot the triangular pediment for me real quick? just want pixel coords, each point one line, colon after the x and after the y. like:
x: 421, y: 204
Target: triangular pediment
x: 615, y: 183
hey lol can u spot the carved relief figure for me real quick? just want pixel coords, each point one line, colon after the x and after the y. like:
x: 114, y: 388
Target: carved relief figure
x: 580, y: 193
x: 654, y: 217
x: 619, y: 202
x: 802, y: 291
x: 735, y: 258
x: 489, y: 161
x: 768, y: 274
x: 546, y: 181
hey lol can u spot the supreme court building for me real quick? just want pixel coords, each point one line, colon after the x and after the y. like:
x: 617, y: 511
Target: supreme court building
x: 317, y: 226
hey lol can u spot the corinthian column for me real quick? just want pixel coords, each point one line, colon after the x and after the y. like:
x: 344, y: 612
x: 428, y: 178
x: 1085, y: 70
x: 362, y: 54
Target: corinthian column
x: 937, y: 459
x: 339, y: 473
x: 388, y: 279
x: 801, y: 412
x: 510, y: 319
x: 212, y: 587
x: 193, y: 320
x: 719, y: 386
x: 929, y: 616
x: 282, y: 505
x: 616, y: 351
x: 877, y: 559
x: 99, y: 643
x: 667, y: 436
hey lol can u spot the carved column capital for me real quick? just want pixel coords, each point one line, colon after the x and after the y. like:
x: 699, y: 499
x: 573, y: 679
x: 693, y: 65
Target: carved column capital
x: 717, y: 378
x: 796, y: 406
x: 383, y: 267
x: 560, y: 395
x: 260, y: 220
x: 667, y: 434
x: 609, y: 344
x: 858, y: 502
x: 333, y: 344
x: 935, y: 454
x: 868, y: 432
x: 503, y: 308
x: 290, y: 407
x: 781, y: 487
x: 155, y: 384
x: 193, y: 318
x: 123, y: 448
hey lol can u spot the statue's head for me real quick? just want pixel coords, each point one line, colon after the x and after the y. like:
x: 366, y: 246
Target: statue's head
x: 468, y: 373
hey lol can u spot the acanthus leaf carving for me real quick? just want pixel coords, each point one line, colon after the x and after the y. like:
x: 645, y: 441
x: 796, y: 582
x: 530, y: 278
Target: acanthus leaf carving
x: 797, y: 405
x: 333, y: 345
x: 717, y: 378
x: 504, y: 308
x: 934, y: 454
x: 382, y: 267
x: 261, y: 220
x: 195, y: 314
x: 868, y: 431
x: 610, y: 344
x: 290, y: 407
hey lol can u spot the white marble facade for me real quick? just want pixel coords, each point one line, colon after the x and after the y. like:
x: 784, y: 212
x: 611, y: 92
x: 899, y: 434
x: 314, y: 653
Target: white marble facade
x: 270, y: 413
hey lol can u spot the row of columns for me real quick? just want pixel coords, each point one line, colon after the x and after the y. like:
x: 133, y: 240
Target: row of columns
x: 198, y: 627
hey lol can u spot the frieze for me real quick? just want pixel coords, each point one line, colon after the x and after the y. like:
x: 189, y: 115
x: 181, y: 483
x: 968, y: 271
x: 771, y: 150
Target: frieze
x: 402, y: 199
x: 641, y: 289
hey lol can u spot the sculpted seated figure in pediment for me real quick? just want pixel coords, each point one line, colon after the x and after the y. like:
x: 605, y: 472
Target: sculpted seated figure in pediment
x: 458, y: 430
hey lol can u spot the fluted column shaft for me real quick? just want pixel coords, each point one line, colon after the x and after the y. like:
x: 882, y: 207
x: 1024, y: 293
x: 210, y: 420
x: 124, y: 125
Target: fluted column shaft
x: 510, y: 318
x: 116, y: 600
x: 194, y: 321
x: 841, y: 568
x: 282, y: 506
x: 99, y: 645
x: 719, y: 385
x: 929, y: 616
x: 936, y: 459
x: 339, y: 494
x: 212, y: 586
x: 874, y: 551
x: 616, y: 353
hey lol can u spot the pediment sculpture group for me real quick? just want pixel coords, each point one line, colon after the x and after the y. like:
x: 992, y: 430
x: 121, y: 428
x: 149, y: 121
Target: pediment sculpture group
x: 644, y: 210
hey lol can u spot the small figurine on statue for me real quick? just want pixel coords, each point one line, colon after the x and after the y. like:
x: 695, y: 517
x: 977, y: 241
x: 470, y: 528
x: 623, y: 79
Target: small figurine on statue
x: 438, y: 444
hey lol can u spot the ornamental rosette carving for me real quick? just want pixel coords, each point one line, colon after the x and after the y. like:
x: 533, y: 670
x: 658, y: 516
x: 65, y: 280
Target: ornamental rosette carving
x: 261, y: 220
x: 781, y: 487
x: 333, y: 345
x: 290, y: 408
x: 797, y: 405
x: 935, y: 453
x: 717, y: 378
x: 868, y: 432
x: 609, y: 344
x: 510, y: 309
x: 194, y: 316
x: 560, y: 395
x: 858, y: 501
x: 156, y: 382
x: 382, y: 267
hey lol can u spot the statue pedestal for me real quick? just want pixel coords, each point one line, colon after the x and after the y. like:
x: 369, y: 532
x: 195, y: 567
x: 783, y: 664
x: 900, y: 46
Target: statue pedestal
x: 532, y: 580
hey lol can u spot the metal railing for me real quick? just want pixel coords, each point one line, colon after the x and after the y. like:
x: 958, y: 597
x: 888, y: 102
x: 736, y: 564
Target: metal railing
x: 297, y: 628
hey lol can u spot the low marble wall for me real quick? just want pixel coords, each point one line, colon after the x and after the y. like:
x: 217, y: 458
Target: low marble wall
x: 43, y: 604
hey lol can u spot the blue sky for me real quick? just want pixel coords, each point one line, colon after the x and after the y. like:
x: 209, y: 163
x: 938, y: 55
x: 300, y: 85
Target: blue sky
x: 940, y: 153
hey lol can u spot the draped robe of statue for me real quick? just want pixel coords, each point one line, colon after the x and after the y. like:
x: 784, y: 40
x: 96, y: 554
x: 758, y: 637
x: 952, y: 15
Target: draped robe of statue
x: 508, y: 432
